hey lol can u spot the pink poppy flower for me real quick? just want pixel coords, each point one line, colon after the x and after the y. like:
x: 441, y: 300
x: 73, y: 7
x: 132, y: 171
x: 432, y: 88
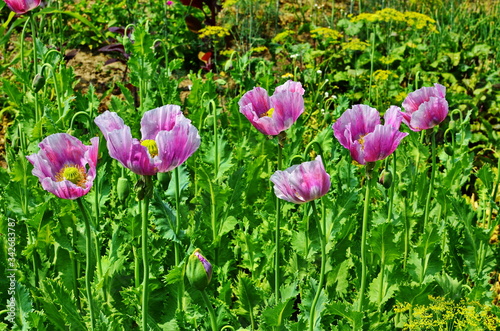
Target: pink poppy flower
x: 65, y: 166
x: 22, y: 6
x: 272, y: 115
x: 302, y: 182
x: 359, y: 130
x: 168, y: 139
x: 425, y: 108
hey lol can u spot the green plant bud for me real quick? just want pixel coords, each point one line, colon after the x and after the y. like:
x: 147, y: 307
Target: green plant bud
x: 198, y: 270
x: 38, y: 82
x: 123, y: 188
x: 163, y: 179
x: 448, y: 149
x: 385, y: 178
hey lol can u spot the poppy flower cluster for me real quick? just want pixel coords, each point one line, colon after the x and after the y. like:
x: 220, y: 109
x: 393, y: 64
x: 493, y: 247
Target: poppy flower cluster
x: 67, y: 168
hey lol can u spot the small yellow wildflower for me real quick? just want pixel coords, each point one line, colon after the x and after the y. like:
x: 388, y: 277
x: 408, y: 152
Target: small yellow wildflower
x: 287, y: 75
x: 228, y: 52
x: 383, y: 75
x: 280, y: 37
x: 355, y: 45
x: 326, y: 33
x: 258, y: 49
x: 214, y: 31
x: 229, y: 3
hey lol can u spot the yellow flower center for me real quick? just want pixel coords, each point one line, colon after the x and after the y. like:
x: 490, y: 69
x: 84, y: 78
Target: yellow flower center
x: 150, y: 144
x: 268, y: 113
x: 74, y: 173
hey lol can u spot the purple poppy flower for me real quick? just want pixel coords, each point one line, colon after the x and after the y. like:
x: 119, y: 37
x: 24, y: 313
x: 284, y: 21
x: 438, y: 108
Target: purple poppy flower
x: 302, y: 182
x: 272, y: 115
x: 22, y: 6
x: 168, y: 139
x: 425, y: 108
x: 359, y: 130
x: 65, y: 166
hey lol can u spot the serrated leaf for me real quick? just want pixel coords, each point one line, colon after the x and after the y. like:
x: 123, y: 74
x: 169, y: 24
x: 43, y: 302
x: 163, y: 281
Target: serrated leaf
x: 274, y: 316
x: 383, y: 243
x: 175, y: 275
x: 380, y: 291
x: 249, y: 296
x: 355, y: 318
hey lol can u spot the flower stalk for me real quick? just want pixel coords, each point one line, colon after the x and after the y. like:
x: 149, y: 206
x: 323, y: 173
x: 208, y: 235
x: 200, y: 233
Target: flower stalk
x: 88, y: 243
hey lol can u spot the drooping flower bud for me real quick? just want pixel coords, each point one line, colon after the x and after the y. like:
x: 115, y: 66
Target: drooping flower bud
x: 123, y: 188
x: 38, y: 82
x: 385, y: 179
x: 198, y: 270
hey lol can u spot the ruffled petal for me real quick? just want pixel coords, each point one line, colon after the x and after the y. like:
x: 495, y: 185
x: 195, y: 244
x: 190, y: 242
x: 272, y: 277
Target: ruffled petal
x: 310, y: 180
x: 177, y: 145
x: 65, y: 189
x: 429, y: 114
x: 282, y: 187
x: 288, y: 106
x: 416, y: 98
x: 160, y: 119
x: 393, y: 117
x: 259, y: 100
x: 109, y: 122
x: 290, y: 86
x: 382, y: 142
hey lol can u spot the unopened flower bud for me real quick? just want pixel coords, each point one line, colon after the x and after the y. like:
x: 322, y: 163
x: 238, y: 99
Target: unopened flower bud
x: 385, y: 178
x: 38, y: 82
x: 198, y: 270
x: 448, y: 149
x: 123, y: 188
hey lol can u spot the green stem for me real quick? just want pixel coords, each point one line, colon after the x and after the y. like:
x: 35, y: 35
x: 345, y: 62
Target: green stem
x: 145, y: 252
x: 88, y: 240
x: 431, y: 183
x: 322, y: 236
x: 277, y: 276
x: 211, y: 312
x: 22, y: 50
x: 391, y: 189
x: 97, y: 242
x: 177, y: 246
x: 364, y: 230
x: 38, y: 115
x: 74, y: 261
x: 407, y: 233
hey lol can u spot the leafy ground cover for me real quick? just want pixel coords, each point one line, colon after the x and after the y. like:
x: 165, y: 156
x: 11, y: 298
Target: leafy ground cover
x: 203, y: 240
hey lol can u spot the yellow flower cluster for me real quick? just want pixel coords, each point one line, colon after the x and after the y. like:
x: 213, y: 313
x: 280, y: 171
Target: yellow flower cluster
x: 383, y: 75
x: 355, y: 45
x: 420, y: 21
x: 287, y: 75
x: 213, y: 31
x: 282, y: 36
x: 412, y: 19
x: 326, y: 33
x: 229, y: 3
x: 443, y: 314
x: 227, y: 52
x: 258, y: 49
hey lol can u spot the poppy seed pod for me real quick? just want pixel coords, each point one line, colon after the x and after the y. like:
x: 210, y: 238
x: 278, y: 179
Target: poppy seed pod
x: 198, y: 270
x: 123, y: 188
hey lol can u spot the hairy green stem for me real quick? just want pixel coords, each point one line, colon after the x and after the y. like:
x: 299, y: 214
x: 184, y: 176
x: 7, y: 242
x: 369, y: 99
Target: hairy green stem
x: 76, y: 267
x: 88, y: 240
x: 431, y: 183
x: 322, y: 237
x: 177, y: 245
x: 364, y: 231
x: 145, y: 253
x: 211, y: 312
x: 277, y: 276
